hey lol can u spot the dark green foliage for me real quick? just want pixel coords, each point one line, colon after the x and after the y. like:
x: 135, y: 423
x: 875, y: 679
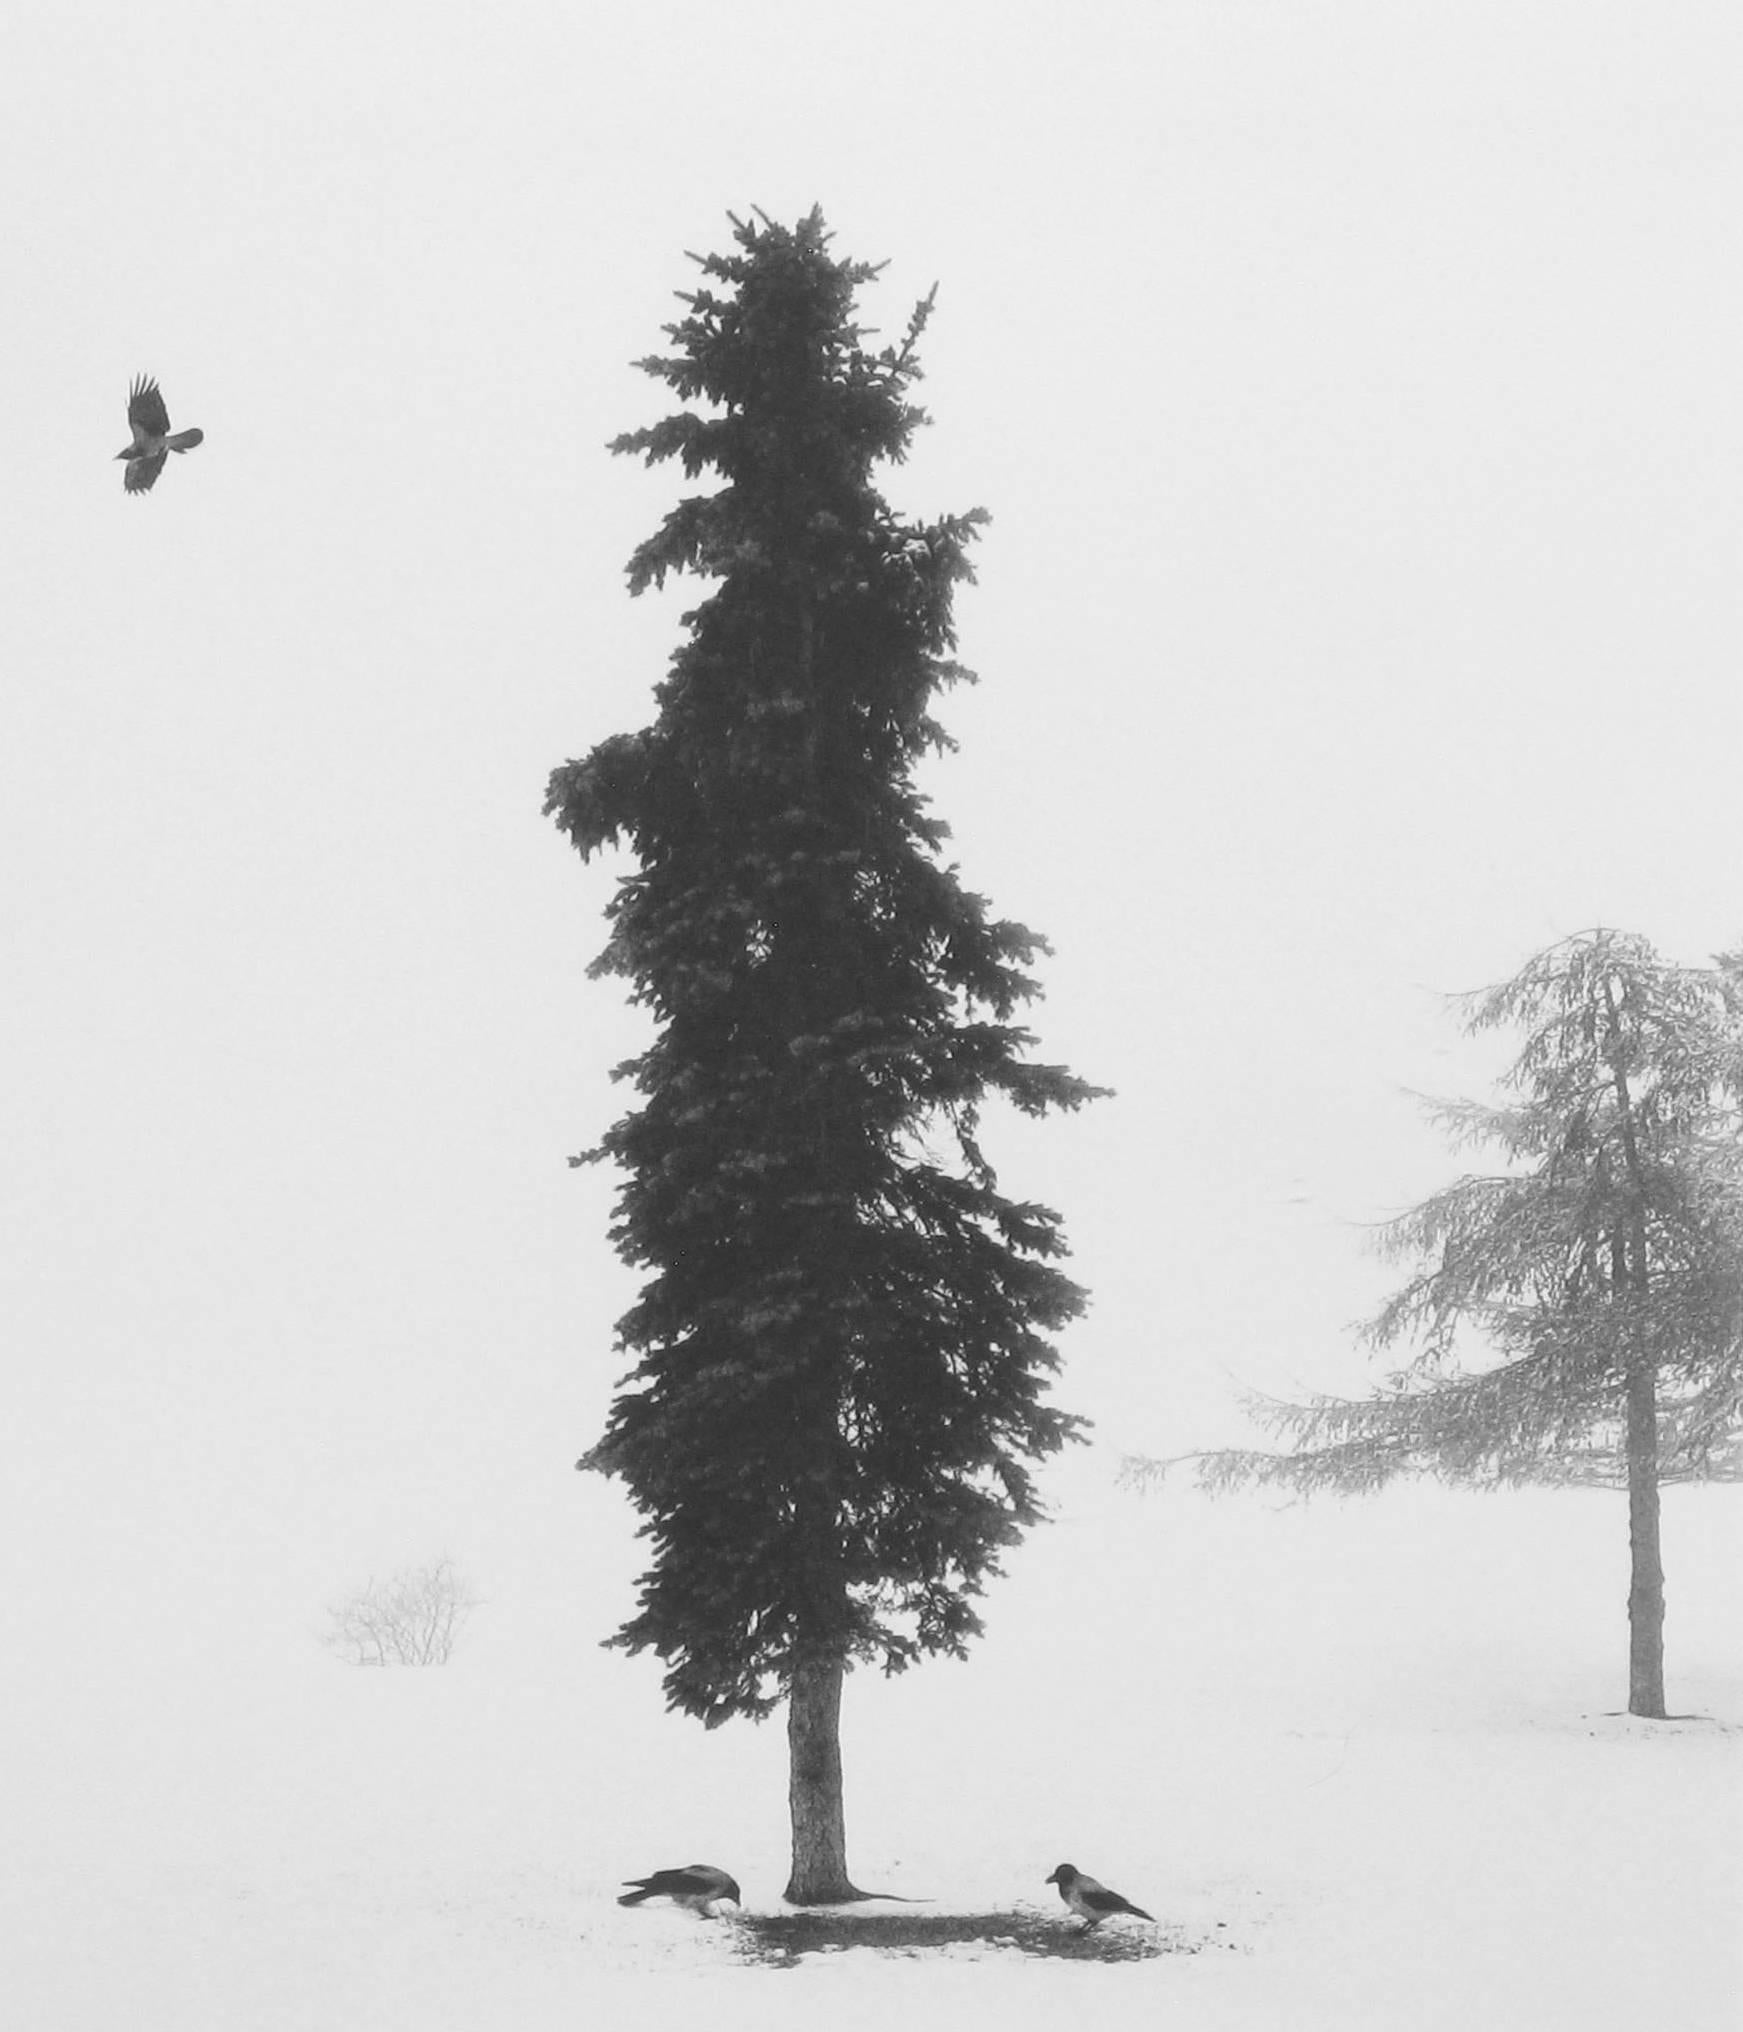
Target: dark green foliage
x: 1611, y: 1245
x: 843, y: 1343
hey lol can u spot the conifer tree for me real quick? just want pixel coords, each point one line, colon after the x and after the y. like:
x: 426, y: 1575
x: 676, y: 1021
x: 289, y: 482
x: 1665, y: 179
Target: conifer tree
x: 1579, y: 1314
x: 842, y: 1346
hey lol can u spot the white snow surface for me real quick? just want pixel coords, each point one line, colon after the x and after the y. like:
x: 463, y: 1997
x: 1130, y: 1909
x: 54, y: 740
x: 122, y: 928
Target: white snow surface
x: 1361, y: 1760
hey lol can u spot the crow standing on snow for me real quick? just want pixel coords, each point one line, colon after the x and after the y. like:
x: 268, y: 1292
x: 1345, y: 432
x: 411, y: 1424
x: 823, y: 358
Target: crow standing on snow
x: 700, y: 1886
x: 152, y: 441
x: 1092, y: 1902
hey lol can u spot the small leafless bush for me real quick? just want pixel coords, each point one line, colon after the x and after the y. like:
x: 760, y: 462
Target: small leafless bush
x: 411, y: 1618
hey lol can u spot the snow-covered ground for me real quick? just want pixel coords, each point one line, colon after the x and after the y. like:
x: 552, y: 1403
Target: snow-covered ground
x: 1355, y: 1757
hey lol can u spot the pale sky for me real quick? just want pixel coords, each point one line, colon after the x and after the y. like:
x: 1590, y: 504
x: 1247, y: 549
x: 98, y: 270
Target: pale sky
x: 1354, y: 387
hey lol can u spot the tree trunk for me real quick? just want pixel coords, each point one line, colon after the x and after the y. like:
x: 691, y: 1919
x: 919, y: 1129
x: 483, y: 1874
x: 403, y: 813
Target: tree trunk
x: 1633, y: 1279
x: 814, y: 1786
x: 1646, y: 1573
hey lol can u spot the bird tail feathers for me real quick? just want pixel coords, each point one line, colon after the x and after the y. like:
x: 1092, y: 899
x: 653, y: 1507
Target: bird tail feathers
x: 185, y: 440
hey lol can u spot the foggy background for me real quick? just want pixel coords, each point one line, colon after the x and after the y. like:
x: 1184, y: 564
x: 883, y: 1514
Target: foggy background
x: 1354, y: 391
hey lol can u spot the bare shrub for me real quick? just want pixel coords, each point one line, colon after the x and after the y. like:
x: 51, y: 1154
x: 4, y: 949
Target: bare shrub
x: 413, y: 1617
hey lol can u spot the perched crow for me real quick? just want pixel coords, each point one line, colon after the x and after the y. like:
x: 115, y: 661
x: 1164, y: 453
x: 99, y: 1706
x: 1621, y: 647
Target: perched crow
x: 1093, y: 1902
x: 152, y: 441
x: 700, y: 1887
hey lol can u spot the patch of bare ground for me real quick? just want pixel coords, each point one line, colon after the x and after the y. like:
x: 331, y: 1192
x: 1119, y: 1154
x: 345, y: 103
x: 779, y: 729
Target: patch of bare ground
x: 781, y: 1939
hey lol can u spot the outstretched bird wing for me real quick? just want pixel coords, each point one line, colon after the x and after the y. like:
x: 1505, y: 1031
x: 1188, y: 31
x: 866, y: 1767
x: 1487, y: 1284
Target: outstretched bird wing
x: 148, y: 416
x: 141, y: 474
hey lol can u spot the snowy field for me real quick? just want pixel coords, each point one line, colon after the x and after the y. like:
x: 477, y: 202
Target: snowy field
x: 1356, y: 1758
x: 1353, y: 386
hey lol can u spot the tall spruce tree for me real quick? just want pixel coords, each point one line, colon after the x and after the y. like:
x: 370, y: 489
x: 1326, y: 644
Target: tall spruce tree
x: 1579, y: 1314
x: 842, y: 1348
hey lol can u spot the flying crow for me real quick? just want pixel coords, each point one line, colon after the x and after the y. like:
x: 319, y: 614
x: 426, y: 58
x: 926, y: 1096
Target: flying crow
x: 700, y: 1887
x: 1092, y: 1902
x: 152, y: 439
